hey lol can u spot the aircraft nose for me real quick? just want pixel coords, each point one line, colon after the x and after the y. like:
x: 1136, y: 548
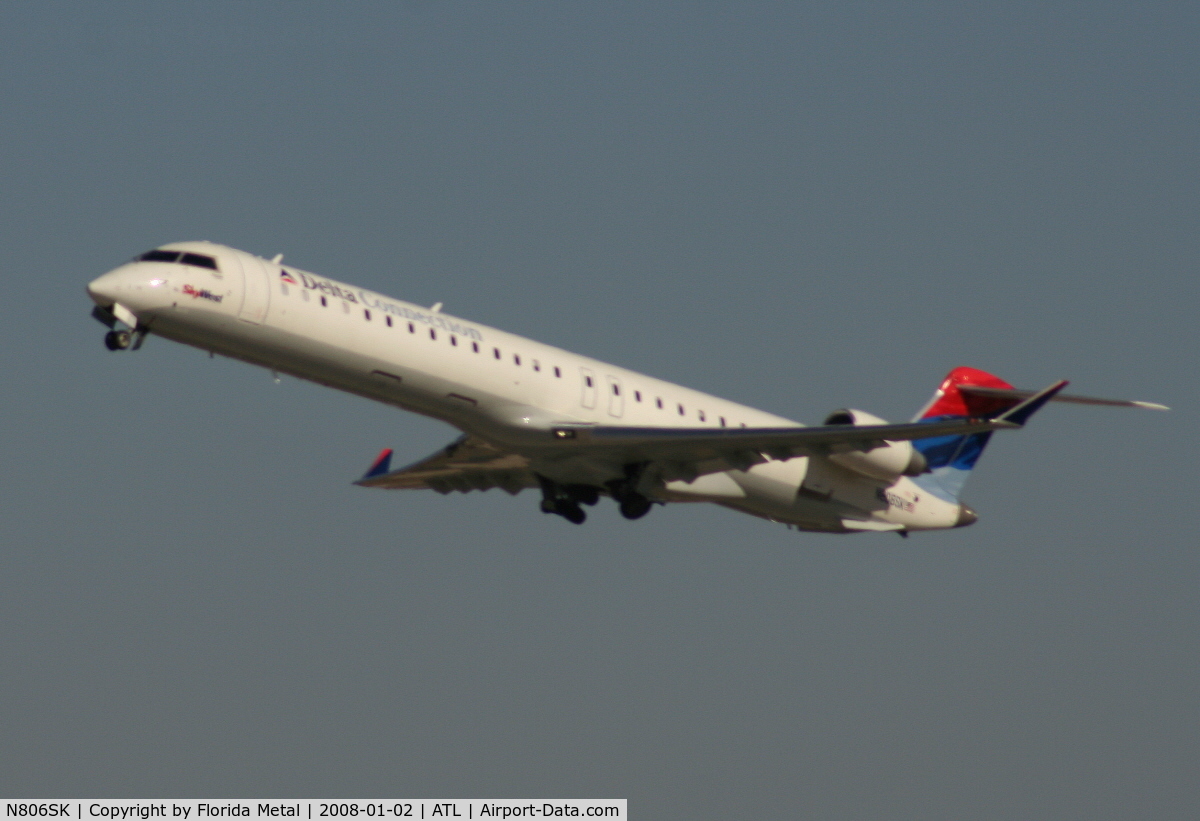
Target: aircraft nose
x: 966, y: 516
x: 104, y: 290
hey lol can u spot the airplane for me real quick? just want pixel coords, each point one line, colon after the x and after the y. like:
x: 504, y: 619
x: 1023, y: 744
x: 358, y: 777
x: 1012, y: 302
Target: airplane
x: 577, y: 429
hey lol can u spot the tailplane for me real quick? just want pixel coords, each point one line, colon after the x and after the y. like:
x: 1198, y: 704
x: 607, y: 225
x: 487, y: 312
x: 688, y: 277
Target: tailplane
x: 972, y: 393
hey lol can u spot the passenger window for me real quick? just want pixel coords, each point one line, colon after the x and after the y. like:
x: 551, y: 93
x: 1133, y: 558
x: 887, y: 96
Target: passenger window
x: 388, y: 319
x: 454, y: 340
x: 496, y: 352
x: 304, y: 295
x: 516, y: 359
x: 616, y: 389
x: 283, y: 289
x: 701, y: 415
x: 324, y: 302
x: 557, y: 372
x: 411, y: 328
x: 659, y: 403
x: 722, y: 421
x: 366, y: 314
x: 432, y: 333
x: 475, y: 347
x: 345, y: 307
x: 536, y: 366
x: 681, y: 411
x: 637, y: 395
x: 588, y: 380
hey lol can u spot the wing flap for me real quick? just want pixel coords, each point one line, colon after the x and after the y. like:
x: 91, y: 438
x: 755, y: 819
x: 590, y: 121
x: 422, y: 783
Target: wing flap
x: 746, y: 446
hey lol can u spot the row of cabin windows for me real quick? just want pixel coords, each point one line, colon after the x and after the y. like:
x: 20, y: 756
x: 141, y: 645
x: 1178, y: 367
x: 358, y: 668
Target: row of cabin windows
x: 637, y: 396
x: 616, y: 388
x: 412, y: 329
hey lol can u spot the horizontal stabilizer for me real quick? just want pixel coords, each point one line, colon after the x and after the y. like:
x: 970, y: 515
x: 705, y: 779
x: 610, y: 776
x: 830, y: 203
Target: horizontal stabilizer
x: 1019, y: 414
x: 1004, y: 393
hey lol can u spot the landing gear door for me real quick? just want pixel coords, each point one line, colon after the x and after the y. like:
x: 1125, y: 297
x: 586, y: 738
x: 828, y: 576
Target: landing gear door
x: 588, y: 379
x: 256, y: 290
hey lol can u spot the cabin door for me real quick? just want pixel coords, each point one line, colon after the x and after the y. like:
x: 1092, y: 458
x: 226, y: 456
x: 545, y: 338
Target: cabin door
x: 616, y: 398
x: 256, y: 290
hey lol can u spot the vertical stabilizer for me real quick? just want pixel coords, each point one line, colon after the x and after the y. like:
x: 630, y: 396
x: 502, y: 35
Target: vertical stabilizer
x: 951, y: 458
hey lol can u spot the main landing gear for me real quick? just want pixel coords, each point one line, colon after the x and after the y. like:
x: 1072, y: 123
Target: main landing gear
x: 632, y: 503
x: 565, y: 500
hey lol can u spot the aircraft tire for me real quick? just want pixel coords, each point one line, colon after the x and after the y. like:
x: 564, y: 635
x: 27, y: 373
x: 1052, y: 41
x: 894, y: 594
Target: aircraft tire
x: 117, y: 340
x: 572, y: 513
x: 634, y: 506
x: 585, y: 494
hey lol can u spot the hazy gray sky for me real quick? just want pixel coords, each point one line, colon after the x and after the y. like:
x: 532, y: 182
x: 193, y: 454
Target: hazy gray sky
x: 797, y: 206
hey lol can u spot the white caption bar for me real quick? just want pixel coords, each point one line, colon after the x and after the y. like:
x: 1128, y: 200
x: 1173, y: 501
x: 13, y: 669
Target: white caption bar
x: 127, y: 809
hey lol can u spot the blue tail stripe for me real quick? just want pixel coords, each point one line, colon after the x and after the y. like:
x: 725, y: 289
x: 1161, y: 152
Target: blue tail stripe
x: 961, y: 452
x: 950, y: 459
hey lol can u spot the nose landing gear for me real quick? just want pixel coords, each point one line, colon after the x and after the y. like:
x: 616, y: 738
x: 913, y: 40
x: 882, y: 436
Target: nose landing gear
x: 118, y: 340
x: 123, y: 340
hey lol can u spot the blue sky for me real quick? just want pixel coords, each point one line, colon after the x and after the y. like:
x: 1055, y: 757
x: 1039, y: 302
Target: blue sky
x: 797, y: 206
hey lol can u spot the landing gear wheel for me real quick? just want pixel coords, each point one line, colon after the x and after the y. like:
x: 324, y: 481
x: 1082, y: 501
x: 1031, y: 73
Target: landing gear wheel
x: 572, y: 513
x: 634, y: 506
x: 118, y: 340
x: 585, y: 494
x: 563, y: 500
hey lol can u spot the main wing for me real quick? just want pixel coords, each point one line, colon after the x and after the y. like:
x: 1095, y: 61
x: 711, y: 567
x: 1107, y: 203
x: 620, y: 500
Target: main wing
x: 464, y: 465
x: 680, y: 453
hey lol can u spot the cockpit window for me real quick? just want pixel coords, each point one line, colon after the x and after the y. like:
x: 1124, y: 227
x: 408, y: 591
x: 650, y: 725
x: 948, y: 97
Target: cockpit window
x: 199, y: 260
x: 159, y: 255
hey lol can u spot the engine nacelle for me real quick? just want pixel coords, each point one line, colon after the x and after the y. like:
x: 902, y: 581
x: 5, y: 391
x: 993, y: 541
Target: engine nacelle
x: 888, y: 462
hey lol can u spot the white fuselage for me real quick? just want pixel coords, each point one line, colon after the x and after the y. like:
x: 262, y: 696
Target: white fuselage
x: 499, y: 387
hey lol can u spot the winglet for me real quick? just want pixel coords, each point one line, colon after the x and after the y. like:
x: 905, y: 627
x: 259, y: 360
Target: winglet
x: 1018, y: 415
x: 382, y: 464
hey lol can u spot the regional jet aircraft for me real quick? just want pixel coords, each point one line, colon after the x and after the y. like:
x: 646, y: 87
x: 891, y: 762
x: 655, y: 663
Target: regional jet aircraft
x: 536, y: 416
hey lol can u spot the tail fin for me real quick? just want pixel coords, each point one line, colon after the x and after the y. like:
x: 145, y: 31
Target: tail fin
x: 951, y: 458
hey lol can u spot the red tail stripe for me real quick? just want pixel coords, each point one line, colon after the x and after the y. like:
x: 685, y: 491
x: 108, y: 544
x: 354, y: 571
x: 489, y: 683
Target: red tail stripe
x: 953, y: 402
